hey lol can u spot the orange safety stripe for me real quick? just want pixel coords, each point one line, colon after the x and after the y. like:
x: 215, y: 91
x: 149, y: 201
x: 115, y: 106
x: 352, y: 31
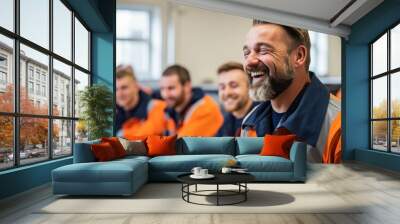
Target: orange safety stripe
x: 333, y: 147
x: 155, y: 123
x: 251, y: 133
x: 204, y: 120
x: 339, y: 94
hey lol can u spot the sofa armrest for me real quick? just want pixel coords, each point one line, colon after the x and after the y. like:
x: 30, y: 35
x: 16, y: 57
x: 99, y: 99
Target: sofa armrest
x: 83, y: 153
x: 298, y: 155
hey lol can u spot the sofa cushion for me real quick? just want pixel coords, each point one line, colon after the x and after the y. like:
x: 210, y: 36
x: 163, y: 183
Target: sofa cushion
x: 206, y: 145
x: 257, y: 163
x: 249, y: 145
x: 112, y: 171
x: 134, y: 147
x: 132, y: 159
x: 185, y: 163
x: 161, y: 145
x: 103, y: 152
x: 277, y: 145
x: 83, y: 152
x: 116, y: 145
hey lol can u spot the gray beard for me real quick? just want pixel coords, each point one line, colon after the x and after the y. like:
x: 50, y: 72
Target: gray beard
x: 261, y: 92
x: 271, y: 88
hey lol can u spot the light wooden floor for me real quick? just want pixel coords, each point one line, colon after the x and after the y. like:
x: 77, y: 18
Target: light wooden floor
x: 378, y: 188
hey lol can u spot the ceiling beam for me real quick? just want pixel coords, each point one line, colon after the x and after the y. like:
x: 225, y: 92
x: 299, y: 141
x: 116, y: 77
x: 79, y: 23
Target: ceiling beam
x: 346, y: 12
x: 271, y: 15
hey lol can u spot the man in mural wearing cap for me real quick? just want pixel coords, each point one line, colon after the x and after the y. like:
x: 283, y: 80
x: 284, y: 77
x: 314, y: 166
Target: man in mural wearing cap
x: 277, y: 60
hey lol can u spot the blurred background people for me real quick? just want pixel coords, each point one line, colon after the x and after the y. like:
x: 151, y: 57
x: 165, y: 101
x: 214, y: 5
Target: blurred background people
x: 233, y: 91
x: 190, y: 112
x: 137, y: 113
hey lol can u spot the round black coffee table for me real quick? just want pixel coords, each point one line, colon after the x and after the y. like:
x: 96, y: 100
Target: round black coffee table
x: 238, y: 179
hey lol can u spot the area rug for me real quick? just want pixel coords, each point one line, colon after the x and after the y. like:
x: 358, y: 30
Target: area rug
x: 167, y: 198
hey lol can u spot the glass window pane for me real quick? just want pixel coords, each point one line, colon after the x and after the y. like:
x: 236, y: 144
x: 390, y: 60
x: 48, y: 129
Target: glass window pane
x: 33, y: 139
x: 395, y: 47
x: 62, y: 29
x: 34, y: 96
x: 62, y: 89
x: 81, y: 81
x: 395, y: 135
x: 379, y: 97
x: 62, y: 138
x: 81, y: 45
x: 395, y: 94
x: 379, y: 55
x: 35, y: 21
x: 6, y: 74
x: 6, y: 142
x: 81, y: 131
x: 133, y: 24
x: 7, y: 14
x: 379, y: 135
x: 135, y: 54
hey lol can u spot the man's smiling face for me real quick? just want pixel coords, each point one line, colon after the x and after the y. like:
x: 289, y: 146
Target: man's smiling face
x: 267, y: 60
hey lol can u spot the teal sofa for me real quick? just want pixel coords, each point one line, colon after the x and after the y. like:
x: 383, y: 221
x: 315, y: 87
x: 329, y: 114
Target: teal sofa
x: 125, y: 176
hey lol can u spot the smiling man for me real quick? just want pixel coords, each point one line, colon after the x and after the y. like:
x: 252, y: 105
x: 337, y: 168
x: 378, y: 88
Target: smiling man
x: 277, y: 59
x: 233, y: 91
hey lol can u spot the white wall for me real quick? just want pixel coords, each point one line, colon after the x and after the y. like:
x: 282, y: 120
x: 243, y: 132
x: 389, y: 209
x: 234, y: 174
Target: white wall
x: 334, y: 56
x: 204, y: 40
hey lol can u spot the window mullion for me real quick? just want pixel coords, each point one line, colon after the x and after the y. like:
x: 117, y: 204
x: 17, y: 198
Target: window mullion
x: 371, y: 89
x: 73, y: 82
x: 16, y: 84
x: 389, y: 106
x: 149, y: 45
x: 50, y: 81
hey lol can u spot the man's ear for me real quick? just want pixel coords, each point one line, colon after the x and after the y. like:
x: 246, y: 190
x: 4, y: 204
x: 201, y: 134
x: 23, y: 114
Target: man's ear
x: 188, y: 87
x: 300, y: 56
x: 135, y: 85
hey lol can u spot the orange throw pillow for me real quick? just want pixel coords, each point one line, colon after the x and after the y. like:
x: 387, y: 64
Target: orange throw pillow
x: 103, y: 152
x: 116, y: 145
x: 161, y: 145
x: 137, y: 138
x: 277, y: 145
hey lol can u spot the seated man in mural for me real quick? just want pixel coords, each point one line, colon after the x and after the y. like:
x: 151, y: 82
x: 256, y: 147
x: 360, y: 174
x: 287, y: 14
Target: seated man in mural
x: 190, y: 112
x: 137, y: 113
x: 233, y: 91
x: 277, y: 59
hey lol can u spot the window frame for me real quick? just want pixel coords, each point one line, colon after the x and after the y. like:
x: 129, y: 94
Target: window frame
x: 388, y: 74
x: 149, y: 41
x: 3, y: 69
x: 16, y: 114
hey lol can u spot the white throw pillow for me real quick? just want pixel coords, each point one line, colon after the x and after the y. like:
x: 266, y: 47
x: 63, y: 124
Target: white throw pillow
x: 137, y: 148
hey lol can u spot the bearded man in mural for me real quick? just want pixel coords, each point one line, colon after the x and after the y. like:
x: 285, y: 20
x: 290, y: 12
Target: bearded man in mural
x: 294, y: 101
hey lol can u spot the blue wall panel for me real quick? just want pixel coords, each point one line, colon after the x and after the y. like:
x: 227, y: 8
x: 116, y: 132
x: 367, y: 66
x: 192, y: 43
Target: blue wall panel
x: 24, y: 178
x: 356, y: 104
x: 356, y: 84
x: 377, y: 158
x: 102, y: 58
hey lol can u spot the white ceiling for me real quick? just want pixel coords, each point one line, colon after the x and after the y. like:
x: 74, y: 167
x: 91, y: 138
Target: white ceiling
x: 327, y: 16
x: 321, y: 9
